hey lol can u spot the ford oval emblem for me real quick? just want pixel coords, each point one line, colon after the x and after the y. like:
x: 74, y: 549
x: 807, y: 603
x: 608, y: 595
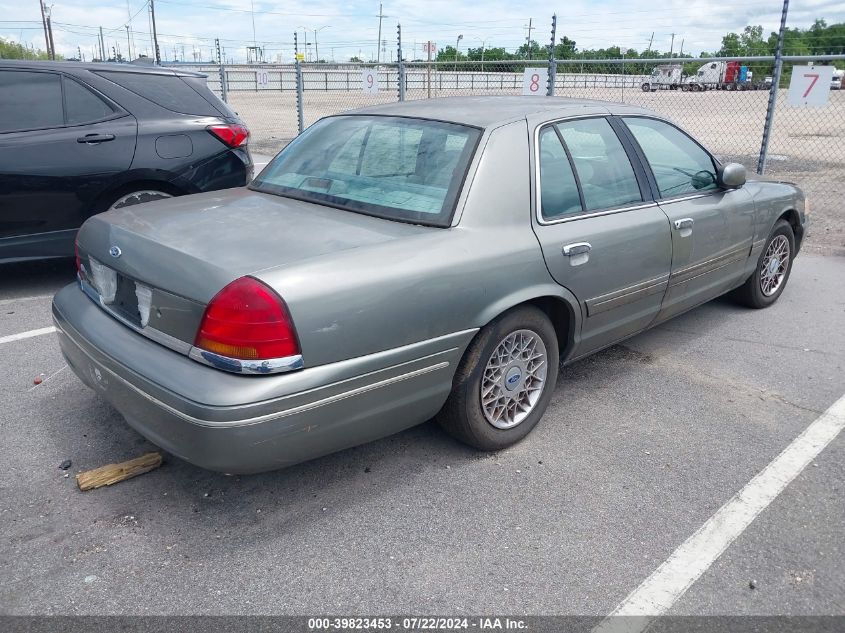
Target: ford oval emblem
x: 513, y: 379
x: 115, y: 251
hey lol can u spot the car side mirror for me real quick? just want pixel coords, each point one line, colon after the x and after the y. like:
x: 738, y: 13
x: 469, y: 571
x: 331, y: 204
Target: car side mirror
x: 732, y: 176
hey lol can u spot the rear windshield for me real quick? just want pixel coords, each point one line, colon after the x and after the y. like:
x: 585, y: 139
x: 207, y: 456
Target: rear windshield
x: 168, y: 91
x: 391, y: 167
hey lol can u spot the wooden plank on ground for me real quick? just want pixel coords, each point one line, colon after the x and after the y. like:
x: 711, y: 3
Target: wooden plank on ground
x: 113, y: 473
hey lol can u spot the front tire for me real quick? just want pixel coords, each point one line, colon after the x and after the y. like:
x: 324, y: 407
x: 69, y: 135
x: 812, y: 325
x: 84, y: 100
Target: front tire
x: 769, y: 279
x: 504, y: 382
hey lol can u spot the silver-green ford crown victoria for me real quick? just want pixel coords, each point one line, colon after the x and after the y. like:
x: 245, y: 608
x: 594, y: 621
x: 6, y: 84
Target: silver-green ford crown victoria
x: 422, y: 259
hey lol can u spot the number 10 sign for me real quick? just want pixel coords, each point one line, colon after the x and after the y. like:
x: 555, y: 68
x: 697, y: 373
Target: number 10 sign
x: 535, y: 81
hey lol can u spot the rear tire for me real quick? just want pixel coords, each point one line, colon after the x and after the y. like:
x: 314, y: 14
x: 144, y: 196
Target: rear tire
x: 769, y: 279
x: 645, y: 87
x: 504, y: 381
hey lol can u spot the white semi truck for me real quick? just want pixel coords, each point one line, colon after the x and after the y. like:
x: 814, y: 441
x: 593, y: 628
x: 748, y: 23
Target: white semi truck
x: 717, y: 75
x: 664, y: 77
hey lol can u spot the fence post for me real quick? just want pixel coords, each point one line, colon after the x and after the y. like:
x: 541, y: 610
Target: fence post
x: 550, y: 89
x: 299, y: 114
x: 773, y: 94
x: 400, y: 77
x: 221, y: 71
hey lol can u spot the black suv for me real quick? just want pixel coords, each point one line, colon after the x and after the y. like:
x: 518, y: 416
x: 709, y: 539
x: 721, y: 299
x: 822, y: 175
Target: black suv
x: 77, y: 139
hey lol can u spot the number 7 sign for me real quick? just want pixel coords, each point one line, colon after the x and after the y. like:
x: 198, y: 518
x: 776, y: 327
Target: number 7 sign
x: 810, y: 85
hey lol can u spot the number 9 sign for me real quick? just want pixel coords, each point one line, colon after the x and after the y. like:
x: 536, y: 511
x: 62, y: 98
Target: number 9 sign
x: 535, y: 81
x: 369, y: 80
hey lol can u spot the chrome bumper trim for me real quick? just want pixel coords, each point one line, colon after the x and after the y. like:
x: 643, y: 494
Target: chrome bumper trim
x: 241, y: 366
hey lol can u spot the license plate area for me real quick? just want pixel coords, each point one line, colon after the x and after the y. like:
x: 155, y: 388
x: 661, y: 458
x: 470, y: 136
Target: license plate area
x: 125, y: 303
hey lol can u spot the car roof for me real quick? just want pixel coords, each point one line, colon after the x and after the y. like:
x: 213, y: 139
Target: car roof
x: 489, y: 111
x: 69, y: 66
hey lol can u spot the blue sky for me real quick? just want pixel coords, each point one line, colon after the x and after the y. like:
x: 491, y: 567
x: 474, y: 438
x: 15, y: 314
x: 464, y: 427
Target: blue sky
x: 347, y: 28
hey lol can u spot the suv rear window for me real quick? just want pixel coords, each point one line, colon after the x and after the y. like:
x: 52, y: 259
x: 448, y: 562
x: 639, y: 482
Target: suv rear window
x: 168, y: 91
x: 82, y: 105
x: 391, y: 167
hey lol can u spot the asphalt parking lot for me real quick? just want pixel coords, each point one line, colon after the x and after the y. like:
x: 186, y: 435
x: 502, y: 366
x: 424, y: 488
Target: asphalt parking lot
x: 641, y: 445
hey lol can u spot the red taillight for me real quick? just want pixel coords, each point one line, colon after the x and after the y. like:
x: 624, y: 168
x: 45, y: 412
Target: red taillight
x: 231, y: 134
x: 248, y: 321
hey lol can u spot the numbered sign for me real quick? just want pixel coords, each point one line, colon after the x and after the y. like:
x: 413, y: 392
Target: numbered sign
x: 369, y: 80
x: 535, y: 81
x: 262, y: 79
x: 810, y: 85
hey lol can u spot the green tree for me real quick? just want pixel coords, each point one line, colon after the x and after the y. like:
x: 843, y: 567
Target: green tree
x: 16, y: 50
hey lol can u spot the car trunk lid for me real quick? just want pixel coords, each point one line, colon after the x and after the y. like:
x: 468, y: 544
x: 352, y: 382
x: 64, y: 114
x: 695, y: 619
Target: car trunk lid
x: 171, y: 257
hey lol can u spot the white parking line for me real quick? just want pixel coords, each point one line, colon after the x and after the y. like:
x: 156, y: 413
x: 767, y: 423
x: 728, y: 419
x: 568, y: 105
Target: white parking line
x: 656, y: 595
x: 29, y: 334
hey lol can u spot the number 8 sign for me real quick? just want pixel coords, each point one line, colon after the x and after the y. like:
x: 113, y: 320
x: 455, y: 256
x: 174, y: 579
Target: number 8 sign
x: 535, y: 81
x: 369, y: 80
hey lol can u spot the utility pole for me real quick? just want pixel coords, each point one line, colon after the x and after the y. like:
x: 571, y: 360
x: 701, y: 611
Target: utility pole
x: 128, y: 44
x: 316, y: 50
x: 129, y: 30
x: 381, y: 16
x: 650, y: 42
x: 46, y: 37
x: 672, y: 45
x: 528, y: 40
x: 50, y: 34
x: 155, y: 36
x: 252, y: 7
x: 681, y: 54
x: 102, y: 46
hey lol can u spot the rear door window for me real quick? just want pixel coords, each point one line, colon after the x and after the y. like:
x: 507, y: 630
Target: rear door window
x: 168, y: 91
x: 82, y: 105
x: 30, y: 100
x: 601, y: 163
x: 559, y: 195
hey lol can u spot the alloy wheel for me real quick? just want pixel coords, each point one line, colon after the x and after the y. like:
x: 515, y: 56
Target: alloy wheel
x: 775, y: 264
x: 514, y: 379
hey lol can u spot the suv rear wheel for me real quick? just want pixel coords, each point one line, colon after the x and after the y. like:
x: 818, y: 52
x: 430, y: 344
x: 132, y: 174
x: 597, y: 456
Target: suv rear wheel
x: 138, y: 197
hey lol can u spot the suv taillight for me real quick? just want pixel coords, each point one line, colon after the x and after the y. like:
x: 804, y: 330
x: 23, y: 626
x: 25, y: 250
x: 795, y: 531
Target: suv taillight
x: 231, y: 134
x: 247, y: 320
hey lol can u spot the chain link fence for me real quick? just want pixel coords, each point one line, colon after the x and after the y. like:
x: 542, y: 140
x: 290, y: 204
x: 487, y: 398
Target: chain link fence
x: 726, y: 112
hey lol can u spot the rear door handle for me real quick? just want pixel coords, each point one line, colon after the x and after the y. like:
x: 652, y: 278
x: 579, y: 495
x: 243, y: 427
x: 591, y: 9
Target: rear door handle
x: 684, y: 223
x: 578, y: 248
x: 93, y: 139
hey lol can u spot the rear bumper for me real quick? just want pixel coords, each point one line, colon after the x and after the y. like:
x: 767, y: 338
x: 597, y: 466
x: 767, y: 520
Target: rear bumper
x: 243, y: 424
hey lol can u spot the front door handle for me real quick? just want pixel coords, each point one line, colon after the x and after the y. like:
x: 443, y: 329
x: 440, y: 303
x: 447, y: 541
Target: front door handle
x: 579, y: 248
x: 684, y: 223
x: 93, y: 139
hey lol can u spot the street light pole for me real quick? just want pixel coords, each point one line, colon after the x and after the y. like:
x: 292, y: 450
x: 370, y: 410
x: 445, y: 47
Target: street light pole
x: 457, y: 46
